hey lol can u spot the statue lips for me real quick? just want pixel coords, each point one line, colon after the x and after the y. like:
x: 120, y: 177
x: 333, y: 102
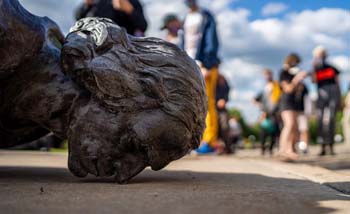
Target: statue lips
x: 128, y: 167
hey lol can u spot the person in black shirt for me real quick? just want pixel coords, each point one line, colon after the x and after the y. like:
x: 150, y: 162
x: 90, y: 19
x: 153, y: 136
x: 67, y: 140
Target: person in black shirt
x: 222, y: 96
x: 290, y: 78
x: 126, y: 13
x: 329, y: 95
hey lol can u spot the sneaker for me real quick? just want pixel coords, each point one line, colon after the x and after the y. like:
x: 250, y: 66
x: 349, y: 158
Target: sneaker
x: 204, y: 148
x: 302, y: 146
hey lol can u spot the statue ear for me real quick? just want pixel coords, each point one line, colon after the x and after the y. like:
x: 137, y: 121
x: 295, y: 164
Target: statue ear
x: 55, y: 36
x: 120, y: 36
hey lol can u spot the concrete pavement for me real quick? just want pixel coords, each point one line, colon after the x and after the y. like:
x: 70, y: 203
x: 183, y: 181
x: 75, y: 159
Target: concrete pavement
x: 40, y: 183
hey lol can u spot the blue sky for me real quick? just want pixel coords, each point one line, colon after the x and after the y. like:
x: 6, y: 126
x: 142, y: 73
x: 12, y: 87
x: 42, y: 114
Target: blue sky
x: 254, y: 34
x: 255, y: 6
x: 293, y: 5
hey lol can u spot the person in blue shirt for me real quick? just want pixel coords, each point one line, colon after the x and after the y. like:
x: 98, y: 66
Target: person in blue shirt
x: 200, y: 40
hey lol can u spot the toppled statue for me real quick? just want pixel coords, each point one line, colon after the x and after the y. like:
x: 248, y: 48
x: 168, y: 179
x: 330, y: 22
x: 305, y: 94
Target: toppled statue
x: 123, y: 103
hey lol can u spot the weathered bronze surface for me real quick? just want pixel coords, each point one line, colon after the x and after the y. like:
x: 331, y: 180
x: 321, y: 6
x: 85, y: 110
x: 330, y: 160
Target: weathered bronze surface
x: 123, y: 103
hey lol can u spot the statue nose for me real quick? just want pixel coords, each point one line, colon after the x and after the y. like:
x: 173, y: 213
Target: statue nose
x: 90, y: 147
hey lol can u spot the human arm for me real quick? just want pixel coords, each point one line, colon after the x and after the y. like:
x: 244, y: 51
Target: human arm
x: 289, y: 87
x: 258, y: 99
x: 262, y: 117
x: 337, y: 82
x: 83, y: 9
x: 226, y: 91
x: 134, y: 9
x: 347, y: 100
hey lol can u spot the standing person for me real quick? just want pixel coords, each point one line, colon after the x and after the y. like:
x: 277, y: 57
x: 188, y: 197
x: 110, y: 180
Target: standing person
x: 222, y: 96
x: 329, y: 95
x: 45, y: 143
x: 290, y: 78
x: 172, y: 24
x: 346, y: 118
x: 126, y: 13
x: 268, y: 100
x: 200, y: 41
x: 302, y: 119
x: 234, y: 134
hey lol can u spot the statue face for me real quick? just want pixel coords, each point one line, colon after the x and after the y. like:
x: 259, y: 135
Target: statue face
x: 122, y: 145
x: 123, y: 103
x: 137, y: 110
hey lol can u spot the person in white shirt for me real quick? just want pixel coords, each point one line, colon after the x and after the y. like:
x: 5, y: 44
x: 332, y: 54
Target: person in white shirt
x: 200, y: 41
x: 193, y: 32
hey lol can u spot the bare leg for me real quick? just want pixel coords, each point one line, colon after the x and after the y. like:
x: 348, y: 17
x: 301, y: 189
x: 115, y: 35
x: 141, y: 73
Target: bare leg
x: 288, y: 134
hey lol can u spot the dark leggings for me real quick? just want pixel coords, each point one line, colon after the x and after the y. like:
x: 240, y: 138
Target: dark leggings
x: 264, y: 136
x: 327, y: 106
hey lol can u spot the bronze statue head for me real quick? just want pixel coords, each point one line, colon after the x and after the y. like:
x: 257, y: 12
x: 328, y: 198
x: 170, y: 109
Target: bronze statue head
x: 142, y: 103
x: 123, y: 103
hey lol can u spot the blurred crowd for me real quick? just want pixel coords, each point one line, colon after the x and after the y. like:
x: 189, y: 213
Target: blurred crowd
x: 284, y: 117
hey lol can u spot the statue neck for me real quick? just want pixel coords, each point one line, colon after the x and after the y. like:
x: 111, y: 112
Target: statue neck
x: 37, y: 97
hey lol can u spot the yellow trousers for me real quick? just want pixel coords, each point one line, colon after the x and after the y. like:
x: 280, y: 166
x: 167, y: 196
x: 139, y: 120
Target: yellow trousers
x: 211, y: 131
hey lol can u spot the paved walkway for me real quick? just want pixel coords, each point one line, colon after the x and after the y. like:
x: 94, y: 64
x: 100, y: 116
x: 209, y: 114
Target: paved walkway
x: 40, y: 183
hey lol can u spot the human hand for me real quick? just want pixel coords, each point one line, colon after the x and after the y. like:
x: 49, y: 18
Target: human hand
x: 205, y: 73
x: 123, y: 5
x: 300, y: 76
x: 221, y: 103
x: 89, y: 2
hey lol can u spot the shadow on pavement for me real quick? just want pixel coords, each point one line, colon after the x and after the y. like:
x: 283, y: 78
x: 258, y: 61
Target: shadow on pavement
x: 343, y: 187
x: 56, y: 190
x: 331, y: 165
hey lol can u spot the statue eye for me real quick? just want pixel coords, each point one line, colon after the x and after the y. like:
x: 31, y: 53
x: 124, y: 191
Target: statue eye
x: 85, y: 32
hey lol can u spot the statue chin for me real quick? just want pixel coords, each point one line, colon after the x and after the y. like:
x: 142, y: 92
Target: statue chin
x: 123, y: 103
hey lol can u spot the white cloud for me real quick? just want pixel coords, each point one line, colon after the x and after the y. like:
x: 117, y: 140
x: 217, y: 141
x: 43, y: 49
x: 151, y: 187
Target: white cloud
x: 330, y: 41
x: 271, y: 29
x: 332, y: 21
x: 217, y: 5
x: 341, y: 62
x: 273, y: 8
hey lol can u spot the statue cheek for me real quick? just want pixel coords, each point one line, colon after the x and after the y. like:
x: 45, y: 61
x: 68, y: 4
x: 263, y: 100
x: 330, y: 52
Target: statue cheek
x: 158, y: 162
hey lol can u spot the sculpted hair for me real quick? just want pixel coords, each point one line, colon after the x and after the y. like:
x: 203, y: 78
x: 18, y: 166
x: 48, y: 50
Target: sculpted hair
x: 165, y: 83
